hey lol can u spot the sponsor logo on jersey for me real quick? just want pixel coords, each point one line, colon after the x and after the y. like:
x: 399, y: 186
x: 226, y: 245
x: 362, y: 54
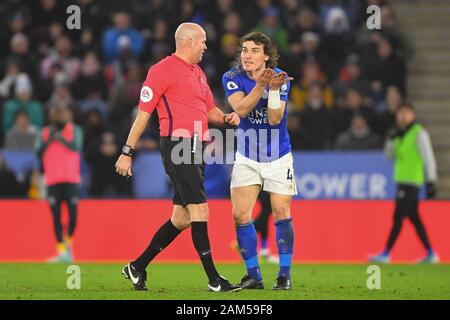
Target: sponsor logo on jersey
x: 146, y: 94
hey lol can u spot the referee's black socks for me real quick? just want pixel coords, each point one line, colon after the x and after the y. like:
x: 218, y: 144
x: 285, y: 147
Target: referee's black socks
x: 162, y: 238
x: 201, y: 243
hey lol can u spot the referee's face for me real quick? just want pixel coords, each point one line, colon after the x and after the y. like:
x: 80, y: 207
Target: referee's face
x: 199, y: 46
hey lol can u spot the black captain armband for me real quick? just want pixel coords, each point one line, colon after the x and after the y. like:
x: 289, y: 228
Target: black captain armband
x: 128, y: 151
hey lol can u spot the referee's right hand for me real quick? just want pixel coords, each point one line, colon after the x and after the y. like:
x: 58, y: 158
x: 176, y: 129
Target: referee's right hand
x: 123, y: 166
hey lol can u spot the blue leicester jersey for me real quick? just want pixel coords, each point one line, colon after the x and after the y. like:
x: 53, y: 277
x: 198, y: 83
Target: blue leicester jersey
x: 256, y: 138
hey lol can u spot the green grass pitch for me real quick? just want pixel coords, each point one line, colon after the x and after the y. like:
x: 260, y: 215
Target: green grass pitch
x: 188, y: 282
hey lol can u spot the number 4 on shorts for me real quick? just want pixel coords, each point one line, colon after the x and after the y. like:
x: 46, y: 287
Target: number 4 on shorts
x: 289, y: 174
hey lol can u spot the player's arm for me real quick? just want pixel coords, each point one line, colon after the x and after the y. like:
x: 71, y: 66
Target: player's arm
x: 275, y: 115
x: 123, y: 164
x: 216, y: 116
x: 243, y: 104
x: 426, y: 151
x: 388, y: 149
x: 275, y: 106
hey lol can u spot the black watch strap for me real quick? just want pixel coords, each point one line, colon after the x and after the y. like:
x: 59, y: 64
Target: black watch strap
x: 128, y: 151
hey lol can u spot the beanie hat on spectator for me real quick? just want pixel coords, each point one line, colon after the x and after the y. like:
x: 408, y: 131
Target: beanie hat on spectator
x: 336, y: 22
x: 23, y: 84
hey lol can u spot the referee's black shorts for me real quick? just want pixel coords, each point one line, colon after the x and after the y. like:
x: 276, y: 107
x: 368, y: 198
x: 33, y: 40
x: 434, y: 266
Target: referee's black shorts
x: 185, y: 169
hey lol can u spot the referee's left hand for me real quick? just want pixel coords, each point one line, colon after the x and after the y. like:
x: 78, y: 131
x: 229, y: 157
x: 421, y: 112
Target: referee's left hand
x: 123, y: 166
x: 232, y: 119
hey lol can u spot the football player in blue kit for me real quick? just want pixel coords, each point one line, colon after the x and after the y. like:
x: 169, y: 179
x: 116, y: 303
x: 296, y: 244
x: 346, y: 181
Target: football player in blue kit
x: 258, y: 92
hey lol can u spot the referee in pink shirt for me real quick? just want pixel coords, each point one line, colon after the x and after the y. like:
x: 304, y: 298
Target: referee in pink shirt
x: 177, y: 87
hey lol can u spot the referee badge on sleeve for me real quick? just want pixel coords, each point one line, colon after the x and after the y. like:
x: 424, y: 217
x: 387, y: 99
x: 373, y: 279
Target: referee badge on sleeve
x: 146, y: 94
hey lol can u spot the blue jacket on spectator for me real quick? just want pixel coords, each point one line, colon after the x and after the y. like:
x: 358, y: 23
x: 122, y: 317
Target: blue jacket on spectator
x: 114, y: 41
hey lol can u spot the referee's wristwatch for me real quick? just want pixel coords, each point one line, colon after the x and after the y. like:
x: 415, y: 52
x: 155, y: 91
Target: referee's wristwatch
x: 128, y: 151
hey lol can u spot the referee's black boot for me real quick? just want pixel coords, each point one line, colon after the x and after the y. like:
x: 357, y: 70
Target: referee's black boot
x: 248, y: 282
x: 223, y: 285
x: 137, y: 277
x: 282, y: 283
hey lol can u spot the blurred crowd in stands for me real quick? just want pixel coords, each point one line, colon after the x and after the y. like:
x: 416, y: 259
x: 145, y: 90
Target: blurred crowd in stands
x: 347, y: 83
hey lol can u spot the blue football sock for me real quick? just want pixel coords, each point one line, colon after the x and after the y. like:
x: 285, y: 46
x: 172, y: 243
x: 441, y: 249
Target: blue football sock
x: 285, y: 244
x: 386, y: 252
x: 248, y: 241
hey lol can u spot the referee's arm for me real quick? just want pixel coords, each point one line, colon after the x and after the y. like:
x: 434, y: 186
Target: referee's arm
x: 123, y: 164
x: 216, y: 116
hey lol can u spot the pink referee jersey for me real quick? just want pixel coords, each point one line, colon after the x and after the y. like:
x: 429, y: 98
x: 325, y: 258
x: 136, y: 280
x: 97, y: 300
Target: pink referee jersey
x: 180, y: 93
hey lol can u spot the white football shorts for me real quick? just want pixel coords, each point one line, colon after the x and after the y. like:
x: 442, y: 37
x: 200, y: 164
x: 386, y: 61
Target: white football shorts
x: 276, y: 176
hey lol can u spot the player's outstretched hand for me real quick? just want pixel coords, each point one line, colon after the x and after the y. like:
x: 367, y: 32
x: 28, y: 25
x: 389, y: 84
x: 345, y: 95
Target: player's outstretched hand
x: 232, y: 119
x: 278, y: 80
x: 123, y: 166
x: 265, y: 77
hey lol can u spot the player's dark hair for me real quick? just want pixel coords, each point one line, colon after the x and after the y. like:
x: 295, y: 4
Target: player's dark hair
x: 268, y: 46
